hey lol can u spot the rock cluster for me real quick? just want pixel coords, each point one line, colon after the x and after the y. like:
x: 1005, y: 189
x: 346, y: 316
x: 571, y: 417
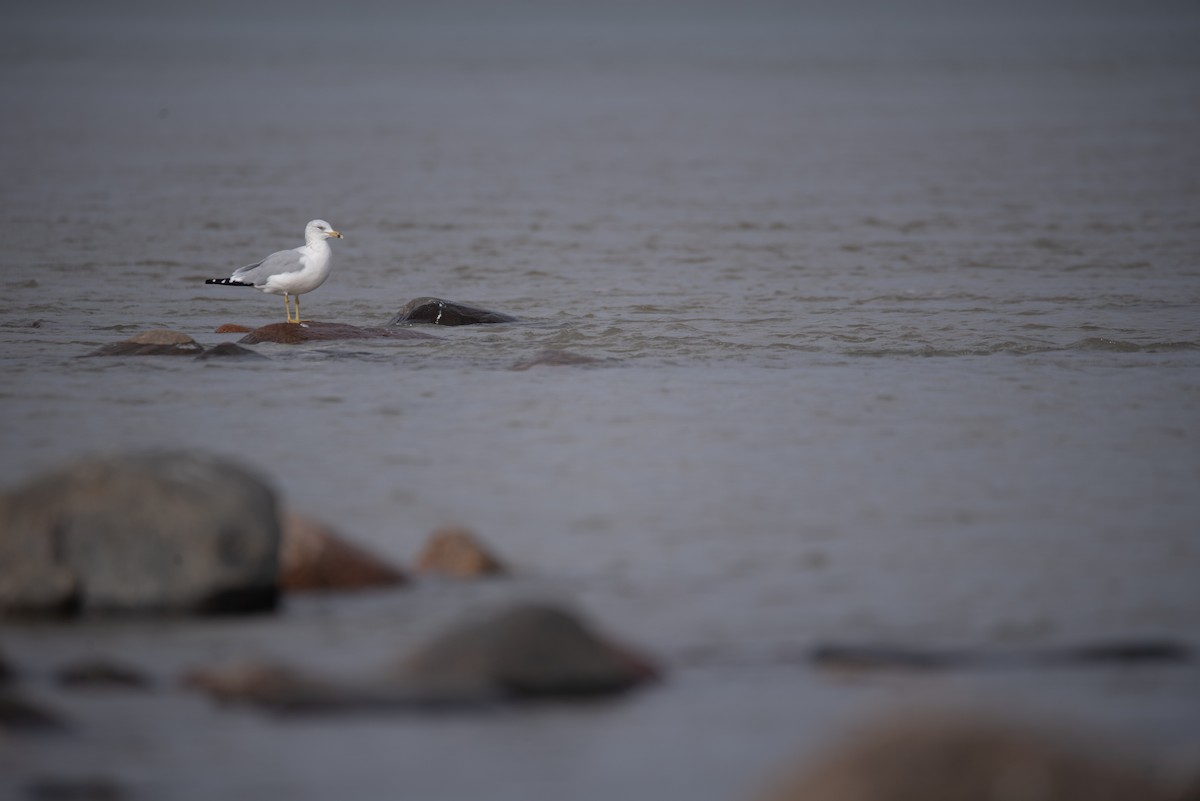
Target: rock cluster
x: 436, y: 311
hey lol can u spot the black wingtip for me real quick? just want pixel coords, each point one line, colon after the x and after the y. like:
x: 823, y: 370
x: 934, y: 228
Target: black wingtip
x: 226, y: 282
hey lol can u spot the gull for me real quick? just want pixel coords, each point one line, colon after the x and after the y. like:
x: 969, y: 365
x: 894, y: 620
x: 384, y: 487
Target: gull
x: 290, y: 272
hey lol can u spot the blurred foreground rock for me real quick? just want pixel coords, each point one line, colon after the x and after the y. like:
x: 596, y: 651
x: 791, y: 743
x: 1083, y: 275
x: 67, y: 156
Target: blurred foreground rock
x: 159, y: 342
x: 924, y: 757
x: 436, y: 311
x: 525, y: 652
x: 315, y: 558
x: 297, y: 333
x: 152, y: 532
x: 457, y: 552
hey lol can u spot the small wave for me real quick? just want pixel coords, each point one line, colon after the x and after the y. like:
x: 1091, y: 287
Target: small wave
x: 1010, y: 348
x: 1123, y: 346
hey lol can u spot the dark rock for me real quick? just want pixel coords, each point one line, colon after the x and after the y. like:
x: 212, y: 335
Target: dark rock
x: 930, y: 758
x: 528, y: 651
x: 160, y: 342
x: 453, y: 551
x: 901, y: 657
x: 20, y: 714
x: 555, y: 358
x: 86, y: 788
x: 6, y: 672
x: 233, y: 328
x: 297, y: 333
x: 446, y: 312
x: 166, y: 532
x: 230, y: 350
x: 100, y: 674
x: 315, y: 558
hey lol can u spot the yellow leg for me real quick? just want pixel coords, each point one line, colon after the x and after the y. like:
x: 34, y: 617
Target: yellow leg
x: 287, y: 307
x: 297, y: 302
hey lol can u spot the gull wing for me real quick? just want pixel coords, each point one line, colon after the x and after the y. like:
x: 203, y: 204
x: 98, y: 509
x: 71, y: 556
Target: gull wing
x: 283, y: 261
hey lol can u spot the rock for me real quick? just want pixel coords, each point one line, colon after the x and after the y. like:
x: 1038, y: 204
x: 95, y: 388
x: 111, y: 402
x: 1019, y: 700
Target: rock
x: 160, y: 342
x: 100, y: 674
x: 233, y: 328
x: 20, y: 714
x: 6, y: 672
x: 554, y: 358
x: 531, y: 650
x: 453, y: 551
x: 855, y: 656
x: 297, y: 333
x: 315, y: 558
x: 923, y: 757
x: 446, y: 312
x: 152, y: 532
x: 230, y: 350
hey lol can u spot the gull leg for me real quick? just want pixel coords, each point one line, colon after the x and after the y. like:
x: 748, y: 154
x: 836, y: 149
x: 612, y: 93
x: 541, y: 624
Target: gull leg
x: 287, y: 307
x: 297, y: 301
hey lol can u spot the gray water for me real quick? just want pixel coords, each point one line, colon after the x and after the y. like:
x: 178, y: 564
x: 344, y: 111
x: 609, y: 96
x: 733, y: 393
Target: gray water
x: 900, y: 303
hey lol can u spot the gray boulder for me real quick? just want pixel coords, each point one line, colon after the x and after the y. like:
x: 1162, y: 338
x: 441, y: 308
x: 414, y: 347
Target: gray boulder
x: 436, y: 311
x: 154, y: 532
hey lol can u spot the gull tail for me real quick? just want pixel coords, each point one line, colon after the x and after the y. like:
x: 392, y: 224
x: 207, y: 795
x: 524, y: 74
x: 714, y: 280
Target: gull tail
x: 226, y: 282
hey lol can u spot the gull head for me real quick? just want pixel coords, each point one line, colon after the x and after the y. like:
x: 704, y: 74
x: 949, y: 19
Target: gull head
x: 319, y: 229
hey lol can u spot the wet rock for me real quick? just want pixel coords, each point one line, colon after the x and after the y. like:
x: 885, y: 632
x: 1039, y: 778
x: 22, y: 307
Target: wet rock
x: 258, y: 682
x: 313, y: 557
x: 233, y: 328
x: 436, y: 311
x: 457, y: 552
x: 298, y: 333
x: 152, y: 532
x: 531, y: 650
x: 555, y: 358
x: 20, y: 714
x: 230, y: 350
x: 101, y: 674
x: 160, y: 342
x: 947, y: 758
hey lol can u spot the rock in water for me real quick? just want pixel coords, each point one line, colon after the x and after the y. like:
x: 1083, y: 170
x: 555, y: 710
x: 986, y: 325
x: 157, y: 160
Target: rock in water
x: 315, y: 558
x: 230, y: 350
x: 531, y: 650
x: 160, y: 342
x: 154, y: 532
x: 298, y: 333
x: 453, y: 551
x: 446, y: 312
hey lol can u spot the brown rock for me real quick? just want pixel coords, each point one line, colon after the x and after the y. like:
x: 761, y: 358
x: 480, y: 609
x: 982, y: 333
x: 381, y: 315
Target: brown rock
x: 159, y: 342
x: 233, y: 328
x: 297, y: 333
x: 924, y: 757
x: 454, y: 551
x: 315, y: 558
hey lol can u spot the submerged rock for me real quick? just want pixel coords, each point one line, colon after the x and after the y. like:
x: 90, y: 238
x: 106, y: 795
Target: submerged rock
x: 315, y: 558
x: 555, y: 358
x: 159, y: 342
x: 939, y: 758
x: 101, y: 674
x: 528, y: 651
x: 297, y: 333
x: 453, y: 551
x: 18, y: 713
x: 153, y: 532
x: 233, y: 328
x: 446, y: 312
x: 230, y: 350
